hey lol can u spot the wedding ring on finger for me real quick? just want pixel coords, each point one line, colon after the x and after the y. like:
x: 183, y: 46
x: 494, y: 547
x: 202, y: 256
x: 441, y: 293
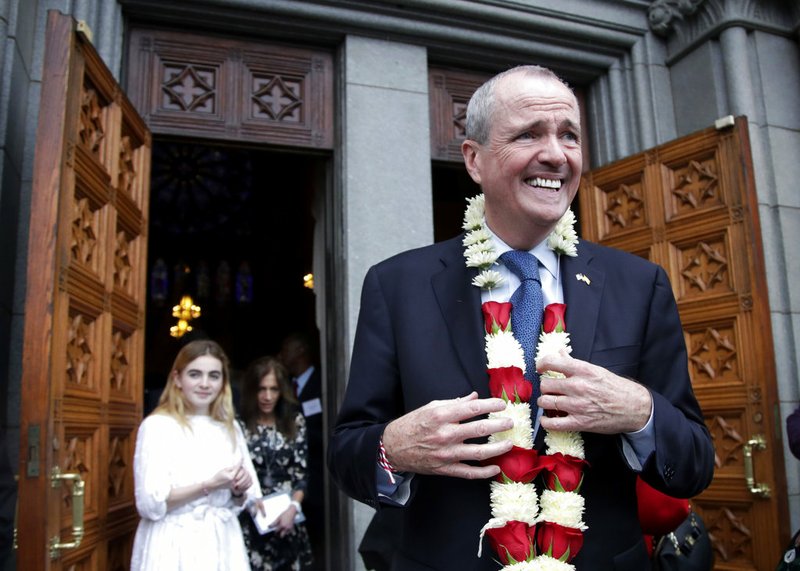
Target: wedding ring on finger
x: 555, y: 404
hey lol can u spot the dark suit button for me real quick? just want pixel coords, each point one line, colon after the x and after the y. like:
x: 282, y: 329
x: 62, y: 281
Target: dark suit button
x: 669, y: 472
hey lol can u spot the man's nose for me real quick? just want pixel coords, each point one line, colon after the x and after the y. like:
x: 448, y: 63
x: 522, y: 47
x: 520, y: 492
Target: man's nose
x: 552, y: 152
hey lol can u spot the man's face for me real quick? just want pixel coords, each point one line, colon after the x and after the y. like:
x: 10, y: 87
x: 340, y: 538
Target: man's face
x: 530, y: 167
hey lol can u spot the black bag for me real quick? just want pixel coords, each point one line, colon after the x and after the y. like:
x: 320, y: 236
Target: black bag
x: 790, y: 560
x: 688, y: 548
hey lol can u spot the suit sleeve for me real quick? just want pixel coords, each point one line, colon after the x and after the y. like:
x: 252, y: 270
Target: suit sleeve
x: 372, y: 398
x: 683, y: 462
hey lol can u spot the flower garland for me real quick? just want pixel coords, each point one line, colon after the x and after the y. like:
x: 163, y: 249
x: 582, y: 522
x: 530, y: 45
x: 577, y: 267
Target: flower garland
x: 527, y: 532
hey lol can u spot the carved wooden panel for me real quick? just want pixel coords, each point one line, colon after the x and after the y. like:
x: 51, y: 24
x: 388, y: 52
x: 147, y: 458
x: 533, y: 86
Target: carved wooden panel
x: 691, y: 206
x: 83, y: 359
x: 694, y: 186
x: 735, y: 543
x: 222, y: 88
x: 449, y: 92
x: 82, y: 351
x: 120, y: 469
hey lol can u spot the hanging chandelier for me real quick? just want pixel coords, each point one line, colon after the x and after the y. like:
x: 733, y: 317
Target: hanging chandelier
x: 185, y: 311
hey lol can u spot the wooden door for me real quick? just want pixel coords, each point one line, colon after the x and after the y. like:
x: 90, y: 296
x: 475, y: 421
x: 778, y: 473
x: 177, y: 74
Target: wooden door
x: 84, y: 314
x: 690, y: 206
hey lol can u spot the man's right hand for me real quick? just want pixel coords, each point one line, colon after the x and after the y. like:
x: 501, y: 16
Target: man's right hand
x: 431, y: 439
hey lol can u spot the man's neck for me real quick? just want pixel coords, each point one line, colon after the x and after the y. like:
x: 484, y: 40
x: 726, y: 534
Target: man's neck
x: 525, y: 239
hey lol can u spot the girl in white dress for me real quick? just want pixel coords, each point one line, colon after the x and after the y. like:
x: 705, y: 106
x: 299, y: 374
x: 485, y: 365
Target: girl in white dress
x: 192, y: 470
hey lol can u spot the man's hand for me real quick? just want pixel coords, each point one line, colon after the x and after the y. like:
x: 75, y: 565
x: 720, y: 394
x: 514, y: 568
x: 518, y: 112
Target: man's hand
x: 430, y: 440
x: 591, y: 398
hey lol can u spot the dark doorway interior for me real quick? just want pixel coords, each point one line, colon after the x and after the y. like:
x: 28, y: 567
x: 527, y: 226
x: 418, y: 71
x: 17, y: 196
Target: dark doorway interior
x: 452, y: 186
x: 232, y: 227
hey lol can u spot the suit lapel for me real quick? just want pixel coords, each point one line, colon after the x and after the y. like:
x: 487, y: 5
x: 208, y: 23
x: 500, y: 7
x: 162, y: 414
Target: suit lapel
x: 460, y: 303
x: 583, y: 289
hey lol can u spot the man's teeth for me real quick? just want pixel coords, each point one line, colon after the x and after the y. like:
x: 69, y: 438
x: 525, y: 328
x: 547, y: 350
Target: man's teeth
x: 545, y: 182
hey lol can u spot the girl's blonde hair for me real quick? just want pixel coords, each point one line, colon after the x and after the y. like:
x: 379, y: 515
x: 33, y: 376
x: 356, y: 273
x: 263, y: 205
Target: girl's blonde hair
x: 173, y: 402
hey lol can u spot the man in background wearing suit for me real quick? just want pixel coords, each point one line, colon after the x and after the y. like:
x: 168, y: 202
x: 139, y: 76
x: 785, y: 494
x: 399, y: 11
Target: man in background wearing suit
x: 411, y: 432
x: 298, y: 354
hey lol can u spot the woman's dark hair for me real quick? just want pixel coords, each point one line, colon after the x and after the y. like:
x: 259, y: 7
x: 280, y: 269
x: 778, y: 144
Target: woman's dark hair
x: 285, y: 409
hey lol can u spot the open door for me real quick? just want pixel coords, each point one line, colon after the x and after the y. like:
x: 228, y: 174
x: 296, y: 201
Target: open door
x: 690, y: 205
x: 84, y: 314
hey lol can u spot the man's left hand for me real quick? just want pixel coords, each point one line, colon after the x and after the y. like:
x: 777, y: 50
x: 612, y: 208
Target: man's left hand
x: 591, y: 398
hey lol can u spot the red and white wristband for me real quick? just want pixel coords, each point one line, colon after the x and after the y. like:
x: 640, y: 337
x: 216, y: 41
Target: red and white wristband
x: 384, y: 463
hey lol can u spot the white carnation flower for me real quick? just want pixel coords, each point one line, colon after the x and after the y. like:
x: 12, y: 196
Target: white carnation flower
x: 473, y: 215
x: 551, y: 344
x: 514, y: 502
x: 545, y: 563
x: 477, y: 248
x: 503, y: 350
x: 488, y: 279
x: 563, y: 508
x: 482, y: 259
x: 563, y: 239
x: 562, y: 246
x: 524, y: 566
x: 476, y: 236
x: 568, y: 443
x: 521, y: 434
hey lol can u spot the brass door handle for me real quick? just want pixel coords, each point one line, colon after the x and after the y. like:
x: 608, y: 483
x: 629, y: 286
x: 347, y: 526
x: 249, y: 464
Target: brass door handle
x: 759, y: 443
x: 56, y: 545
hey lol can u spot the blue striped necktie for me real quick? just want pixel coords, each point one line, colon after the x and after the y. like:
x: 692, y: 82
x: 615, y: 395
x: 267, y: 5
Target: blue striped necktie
x: 527, y: 309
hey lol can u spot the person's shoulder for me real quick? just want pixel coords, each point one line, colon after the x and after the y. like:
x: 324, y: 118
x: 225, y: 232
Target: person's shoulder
x: 159, y: 423
x: 615, y: 258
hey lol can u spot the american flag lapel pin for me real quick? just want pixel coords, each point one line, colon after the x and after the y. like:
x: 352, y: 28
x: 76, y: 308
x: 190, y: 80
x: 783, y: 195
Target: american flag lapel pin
x: 583, y: 278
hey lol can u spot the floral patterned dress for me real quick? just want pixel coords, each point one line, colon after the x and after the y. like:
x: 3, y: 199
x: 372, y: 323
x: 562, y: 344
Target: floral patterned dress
x: 280, y: 464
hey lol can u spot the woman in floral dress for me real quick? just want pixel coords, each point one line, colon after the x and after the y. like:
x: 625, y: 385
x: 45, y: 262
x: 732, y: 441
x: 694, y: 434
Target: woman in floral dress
x: 275, y: 432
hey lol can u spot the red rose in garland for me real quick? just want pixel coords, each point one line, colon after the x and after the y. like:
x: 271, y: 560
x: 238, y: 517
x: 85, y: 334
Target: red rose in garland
x: 496, y: 316
x: 508, y: 383
x: 553, y: 319
x: 517, y: 465
x: 564, y: 473
x: 513, y: 542
x: 558, y: 541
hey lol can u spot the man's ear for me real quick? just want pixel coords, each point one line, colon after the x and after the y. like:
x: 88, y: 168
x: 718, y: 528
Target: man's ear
x: 470, y: 151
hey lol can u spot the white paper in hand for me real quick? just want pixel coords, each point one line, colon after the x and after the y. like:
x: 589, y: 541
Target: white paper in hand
x: 274, y: 505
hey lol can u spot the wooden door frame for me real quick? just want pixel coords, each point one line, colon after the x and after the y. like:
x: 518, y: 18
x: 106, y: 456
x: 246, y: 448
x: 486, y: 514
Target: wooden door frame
x: 80, y: 411
x: 691, y: 205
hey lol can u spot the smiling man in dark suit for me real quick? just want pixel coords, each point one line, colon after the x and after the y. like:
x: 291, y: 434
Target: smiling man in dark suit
x: 411, y: 432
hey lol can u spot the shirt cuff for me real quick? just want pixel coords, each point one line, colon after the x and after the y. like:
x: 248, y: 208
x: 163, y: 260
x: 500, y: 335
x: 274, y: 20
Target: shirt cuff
x: 394, y: 494
x: 638, y: 446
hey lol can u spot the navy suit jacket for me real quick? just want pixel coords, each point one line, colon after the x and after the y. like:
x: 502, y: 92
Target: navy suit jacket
x: 420, y: 338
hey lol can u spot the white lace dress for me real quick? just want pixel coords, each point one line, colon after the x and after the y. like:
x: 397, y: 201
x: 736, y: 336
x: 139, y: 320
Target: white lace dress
x: 204, y: 534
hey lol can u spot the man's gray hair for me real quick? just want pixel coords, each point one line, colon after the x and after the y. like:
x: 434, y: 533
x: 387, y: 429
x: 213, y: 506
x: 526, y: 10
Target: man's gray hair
x: 481, y: 104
